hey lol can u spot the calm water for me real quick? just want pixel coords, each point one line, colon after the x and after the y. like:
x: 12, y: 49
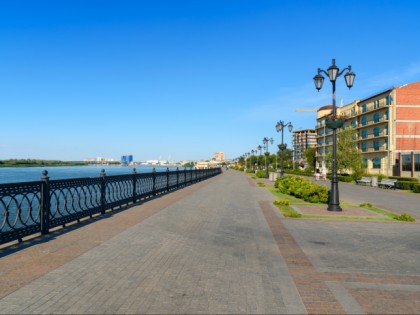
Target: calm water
x: 27, y: 174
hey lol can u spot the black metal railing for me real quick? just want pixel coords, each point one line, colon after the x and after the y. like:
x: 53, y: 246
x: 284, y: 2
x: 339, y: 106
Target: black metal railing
x: 36, y: 207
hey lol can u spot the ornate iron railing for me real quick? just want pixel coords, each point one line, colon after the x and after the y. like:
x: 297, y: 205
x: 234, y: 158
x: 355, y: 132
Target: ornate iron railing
x: 36, y: 207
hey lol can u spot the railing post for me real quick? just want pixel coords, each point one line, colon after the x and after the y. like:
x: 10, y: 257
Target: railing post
x: 177, y: 178
x: 45, y: 203
x: 185, y: 176
x: 191, y: 179
x: 103, y: 191
x: 167, y: 179
x: 134, y: 185
x: 154, y: 181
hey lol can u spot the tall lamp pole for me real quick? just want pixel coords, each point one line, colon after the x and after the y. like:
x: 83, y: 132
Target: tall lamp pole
x: 265, y: 141
x: 280, y: 127
x: 252, y: 152
x: 259, y: 148
x: 333, y: 122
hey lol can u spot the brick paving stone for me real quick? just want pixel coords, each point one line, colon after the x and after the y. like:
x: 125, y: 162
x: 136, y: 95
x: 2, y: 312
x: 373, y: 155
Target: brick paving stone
x: 216, y: 247
x: 203, y: 253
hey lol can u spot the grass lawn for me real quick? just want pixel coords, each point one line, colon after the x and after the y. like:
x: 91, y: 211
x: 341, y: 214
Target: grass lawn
x: 288, y: 211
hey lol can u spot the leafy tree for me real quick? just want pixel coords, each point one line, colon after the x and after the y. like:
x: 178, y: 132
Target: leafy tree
x: 310, y: 158
x: 349, y: 158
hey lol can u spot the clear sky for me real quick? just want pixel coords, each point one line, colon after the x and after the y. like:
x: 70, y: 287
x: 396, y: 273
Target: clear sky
x: 156, y: 78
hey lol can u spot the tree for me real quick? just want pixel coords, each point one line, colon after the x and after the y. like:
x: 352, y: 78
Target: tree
x: 310, y: 158
x: 349, y: 158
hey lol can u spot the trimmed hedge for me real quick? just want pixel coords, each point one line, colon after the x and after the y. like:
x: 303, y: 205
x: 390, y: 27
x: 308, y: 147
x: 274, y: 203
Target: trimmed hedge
x: 405, y: 179
x: 342, y: 178
x: 302, y: 188
x: 416, y: 188
x: 406, y: 185
x: 299, y: 172
x: 260, y: 174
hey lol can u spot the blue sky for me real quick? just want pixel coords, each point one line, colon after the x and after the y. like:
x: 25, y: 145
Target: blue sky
x: 156, y: 78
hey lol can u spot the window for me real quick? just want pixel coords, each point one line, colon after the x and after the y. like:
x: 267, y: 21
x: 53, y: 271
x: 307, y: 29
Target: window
x: 417, y: 162
x: 376, y: 145
x: 388, y: 100
x: 353, y: 123
x: 327, y: 150
x: 364, y: 108
x: 321, y: 150
x: 364, y: 121
x: 321, y: 132
x: 386, y: 144
x: 364, y: 146
x: 327, y: 131
x: 376, y: 117
x: 327, y: 141
x: 320, y: 123
x: 320, y: 141
x: 364, y: 134
x: 376, y: 162
x: 376, y: 131
x: 387, y: 114
x: 406, y: 162
x: 386, y: 130
x: 376, y: 104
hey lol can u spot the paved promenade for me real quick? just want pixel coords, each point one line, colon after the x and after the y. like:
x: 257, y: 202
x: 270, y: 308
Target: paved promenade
x: 215, y: 247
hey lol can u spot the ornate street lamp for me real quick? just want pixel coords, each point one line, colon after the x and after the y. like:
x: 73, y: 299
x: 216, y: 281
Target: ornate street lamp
x: 265, y: 141
x: 333, y: 122
x: 280, y: 127
x: 252, y: 152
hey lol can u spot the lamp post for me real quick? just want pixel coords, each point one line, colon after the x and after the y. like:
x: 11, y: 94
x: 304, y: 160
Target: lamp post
x: 252, y: 152
x: 333, y: 122
x: 259, y: 148
x: 265, y: 141
x: 280, y: 127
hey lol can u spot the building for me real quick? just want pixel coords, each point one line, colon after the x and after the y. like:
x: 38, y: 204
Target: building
x: 219, y: 156
x: 99, y: 160
x: 301, y: 141
x: 388, y: 130
x: 126, y: 159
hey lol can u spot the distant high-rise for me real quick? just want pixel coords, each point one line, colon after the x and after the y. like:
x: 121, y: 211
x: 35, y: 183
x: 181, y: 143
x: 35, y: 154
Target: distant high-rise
x: 219, y: 156
x: 126, y: 159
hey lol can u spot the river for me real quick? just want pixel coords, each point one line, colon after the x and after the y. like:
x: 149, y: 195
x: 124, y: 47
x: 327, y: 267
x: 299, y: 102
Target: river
x: 27, y: 174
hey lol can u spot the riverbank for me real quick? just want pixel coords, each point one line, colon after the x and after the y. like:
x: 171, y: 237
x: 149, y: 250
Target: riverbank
x: 41, y: 163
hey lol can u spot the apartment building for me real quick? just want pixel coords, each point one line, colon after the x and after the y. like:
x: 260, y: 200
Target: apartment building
x: 219, y: 156
x: 388, y: 130
x: 301, y: 141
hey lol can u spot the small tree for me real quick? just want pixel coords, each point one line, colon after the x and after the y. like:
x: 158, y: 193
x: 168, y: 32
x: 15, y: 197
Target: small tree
x: 349, y: 158
x: 310, y: 158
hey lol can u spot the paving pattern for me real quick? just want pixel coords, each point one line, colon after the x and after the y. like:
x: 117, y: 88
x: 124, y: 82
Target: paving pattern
x: 217, y: 247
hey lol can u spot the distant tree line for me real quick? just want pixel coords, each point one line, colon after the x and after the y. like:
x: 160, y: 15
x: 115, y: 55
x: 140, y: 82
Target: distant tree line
x: 36, y: 162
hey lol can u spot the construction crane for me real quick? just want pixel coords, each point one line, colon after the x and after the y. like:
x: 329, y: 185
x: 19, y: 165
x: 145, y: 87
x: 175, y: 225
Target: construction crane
x: 306, y: 110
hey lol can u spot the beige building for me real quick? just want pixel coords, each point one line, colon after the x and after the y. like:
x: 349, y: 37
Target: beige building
x: 388, y: 130
x: 219, y: 156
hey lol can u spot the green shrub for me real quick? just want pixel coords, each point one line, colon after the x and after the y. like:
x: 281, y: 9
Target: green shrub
x: 303, y: 189
x: 261, y: 184
x: 405, y: 179
x: 416, y: 188
x: 281, y: 202
x: 260, y: 174
x: 404, y: 217
x: 405, y: 185
x: 298, y: 172
x: 365, y: 205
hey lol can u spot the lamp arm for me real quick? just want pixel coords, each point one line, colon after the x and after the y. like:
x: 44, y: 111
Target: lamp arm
x: 341, y: 72
x: 323, y: 71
